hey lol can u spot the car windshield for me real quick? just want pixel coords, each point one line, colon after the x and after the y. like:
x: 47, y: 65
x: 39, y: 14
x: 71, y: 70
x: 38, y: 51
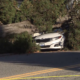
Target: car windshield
x: 57, y: 30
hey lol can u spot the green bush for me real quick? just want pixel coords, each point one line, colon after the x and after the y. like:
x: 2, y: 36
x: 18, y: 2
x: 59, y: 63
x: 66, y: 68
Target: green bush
x: 18, y: 43
x: 5, y: 46
x: 23, y: 43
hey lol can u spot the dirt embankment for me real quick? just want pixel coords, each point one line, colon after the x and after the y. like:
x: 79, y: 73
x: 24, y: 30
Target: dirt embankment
x: 17, y: 28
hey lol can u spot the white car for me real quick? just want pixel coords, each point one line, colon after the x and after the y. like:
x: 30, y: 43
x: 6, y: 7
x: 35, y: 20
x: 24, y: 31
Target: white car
x: 50, y: 41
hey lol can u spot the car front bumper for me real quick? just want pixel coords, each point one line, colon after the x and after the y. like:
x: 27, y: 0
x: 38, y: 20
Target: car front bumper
x: 52, y: 46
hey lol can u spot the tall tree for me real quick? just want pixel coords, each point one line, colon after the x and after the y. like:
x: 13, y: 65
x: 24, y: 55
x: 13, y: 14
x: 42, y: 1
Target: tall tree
x: 26, y: 10
x: 46, y: 12
x: 74, y: 30
x: 7, y: 11
x: 59, y: 7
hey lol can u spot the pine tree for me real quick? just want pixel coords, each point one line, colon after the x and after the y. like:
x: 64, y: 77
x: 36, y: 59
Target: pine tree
x: 59, y: 7
x: 26, y: 10
x: 74, y: 30
x: 46, y: 12
x: 7, y: 11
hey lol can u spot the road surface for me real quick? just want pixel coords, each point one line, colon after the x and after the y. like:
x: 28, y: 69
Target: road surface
x: 41, y: 66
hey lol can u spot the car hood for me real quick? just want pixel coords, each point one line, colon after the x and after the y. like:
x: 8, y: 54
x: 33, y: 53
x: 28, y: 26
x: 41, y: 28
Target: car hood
x: 49, y: 35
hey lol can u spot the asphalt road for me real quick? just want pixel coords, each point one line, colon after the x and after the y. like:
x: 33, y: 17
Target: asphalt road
x: 41, y: 66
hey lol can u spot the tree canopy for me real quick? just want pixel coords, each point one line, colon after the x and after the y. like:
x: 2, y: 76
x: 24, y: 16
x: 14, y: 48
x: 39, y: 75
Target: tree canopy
x: 7, y: 11
x: 42, y: 13
x: 74, y: 29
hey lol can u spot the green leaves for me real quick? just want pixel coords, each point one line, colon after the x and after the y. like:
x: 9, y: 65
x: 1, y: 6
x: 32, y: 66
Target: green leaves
x: 7, y: 11
x: 46, y: 12
x: 41, y: 13
x: 74, y: 28
x: 26, y: 9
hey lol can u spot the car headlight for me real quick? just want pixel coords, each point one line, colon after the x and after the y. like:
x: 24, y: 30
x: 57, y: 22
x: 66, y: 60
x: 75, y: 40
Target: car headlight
x: 55, y: 38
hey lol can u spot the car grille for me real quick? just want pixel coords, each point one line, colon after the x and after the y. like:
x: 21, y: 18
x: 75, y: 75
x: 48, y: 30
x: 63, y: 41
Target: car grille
x: 42, y: 40
x: 45, y: 46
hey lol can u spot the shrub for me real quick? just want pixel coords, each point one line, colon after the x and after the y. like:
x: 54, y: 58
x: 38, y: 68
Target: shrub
x: 5, y: 46
x: 18, y: 43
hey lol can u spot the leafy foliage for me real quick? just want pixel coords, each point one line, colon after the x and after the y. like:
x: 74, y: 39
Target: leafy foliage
x: 23, y: 43
x: 59, y: 7
x: 42, y: 13
x: 20, y: 43
x: 26, y: 10
x: 74, y: 30
x: 7, y: 11
x: 46, y: 12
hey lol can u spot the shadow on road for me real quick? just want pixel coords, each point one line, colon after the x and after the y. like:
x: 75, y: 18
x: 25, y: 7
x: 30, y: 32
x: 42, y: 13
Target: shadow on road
x: 49, y: 50
x: 56, y: 59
